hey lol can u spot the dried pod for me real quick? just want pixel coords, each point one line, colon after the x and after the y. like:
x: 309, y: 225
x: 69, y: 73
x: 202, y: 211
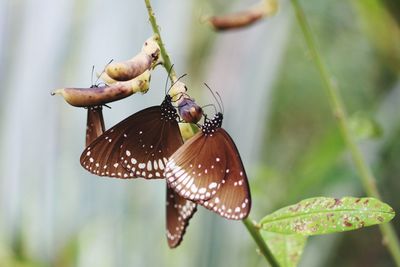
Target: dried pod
x: 244, y: 18
x: 190, y: 111
x: 96, y: 96
x: 130, y: 69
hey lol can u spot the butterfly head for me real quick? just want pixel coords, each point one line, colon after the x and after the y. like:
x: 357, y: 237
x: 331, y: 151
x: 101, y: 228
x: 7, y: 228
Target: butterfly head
x: 210, y: 126
x: 168, y: 111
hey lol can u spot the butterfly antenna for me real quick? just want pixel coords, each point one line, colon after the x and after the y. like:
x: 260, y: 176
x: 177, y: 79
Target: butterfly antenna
x: 177, y: 80
x: 91, y: 80
x: 168, y: 77
x: 210, y: 105
x: 216, y: 99
x: 103, y: 71
x: 182, y: 94
x: 222, y: 102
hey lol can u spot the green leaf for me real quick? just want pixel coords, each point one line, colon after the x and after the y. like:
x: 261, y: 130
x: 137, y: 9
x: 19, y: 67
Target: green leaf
x: 323, y: 215
x: 287, y: 249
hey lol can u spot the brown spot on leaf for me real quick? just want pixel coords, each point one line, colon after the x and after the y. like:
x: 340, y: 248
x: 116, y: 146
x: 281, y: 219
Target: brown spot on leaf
x: 295, y: 208
x: 347, y: 223
x: 336, y: 203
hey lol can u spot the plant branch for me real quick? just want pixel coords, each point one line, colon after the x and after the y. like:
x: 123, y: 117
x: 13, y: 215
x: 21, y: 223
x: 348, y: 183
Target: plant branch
x: 265, y: 251
x: 338, y: 109
x: 254, y: 232
x: 156, y: 29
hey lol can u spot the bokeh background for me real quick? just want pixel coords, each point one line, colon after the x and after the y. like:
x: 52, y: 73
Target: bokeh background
x: 54, y: 213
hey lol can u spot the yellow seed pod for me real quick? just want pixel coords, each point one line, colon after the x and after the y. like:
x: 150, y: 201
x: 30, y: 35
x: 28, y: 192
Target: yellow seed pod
x: 106, y: 78
x: 95, y: 96
x: 130, y: 69
x: 151, y: 48
x: 141, y: 83
x: 176, y: 92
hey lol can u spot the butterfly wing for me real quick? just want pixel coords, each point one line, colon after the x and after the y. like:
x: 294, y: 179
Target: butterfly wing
x: 94, y: 123
x: 149, y: 147
x: 195, y: 170
x: 220, y: 183
x: 109, y: 155
x: 179, y: 212
x: 233, y: 199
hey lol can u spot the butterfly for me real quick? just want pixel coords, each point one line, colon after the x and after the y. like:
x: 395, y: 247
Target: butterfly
x: 208, y: 170
x: 94, y: 123
x: 140, y: 146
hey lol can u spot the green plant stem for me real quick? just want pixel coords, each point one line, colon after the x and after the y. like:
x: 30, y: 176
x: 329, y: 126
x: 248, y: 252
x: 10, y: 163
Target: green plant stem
x: 365, y: 173
x: 255, y: 233
x: 253, y: 230
x: 166, y: 60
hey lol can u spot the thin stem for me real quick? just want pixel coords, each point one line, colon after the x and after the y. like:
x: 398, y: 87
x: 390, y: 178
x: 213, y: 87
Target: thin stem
x: 168, y: 67
x: 156, y: 29
x: 255, y: 233
x: 338, y: 109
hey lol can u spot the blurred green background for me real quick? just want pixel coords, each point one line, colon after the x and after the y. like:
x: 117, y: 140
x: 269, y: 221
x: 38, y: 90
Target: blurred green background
x: 53, y: 213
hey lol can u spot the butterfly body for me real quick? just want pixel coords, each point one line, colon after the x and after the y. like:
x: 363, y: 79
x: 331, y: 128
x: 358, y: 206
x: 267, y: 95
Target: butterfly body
x: 208, y: 170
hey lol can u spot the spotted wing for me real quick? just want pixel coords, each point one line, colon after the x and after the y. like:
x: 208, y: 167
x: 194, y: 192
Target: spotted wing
x: 226, y: 189
x: 108, y: 155
x: 179, y: 212
x: 94, y: 124
x: 197, y: 169
x: 150, y: 147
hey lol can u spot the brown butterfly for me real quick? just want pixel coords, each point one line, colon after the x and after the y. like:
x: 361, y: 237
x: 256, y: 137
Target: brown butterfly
x: 208, y: 170
x: 140, y: 146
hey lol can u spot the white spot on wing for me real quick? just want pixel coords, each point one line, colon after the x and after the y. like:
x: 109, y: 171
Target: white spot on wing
x: 142, y: 165
x: 160, y: 164
x: 212, y: 185
x: 155, y: 165
x: 202, y: 190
